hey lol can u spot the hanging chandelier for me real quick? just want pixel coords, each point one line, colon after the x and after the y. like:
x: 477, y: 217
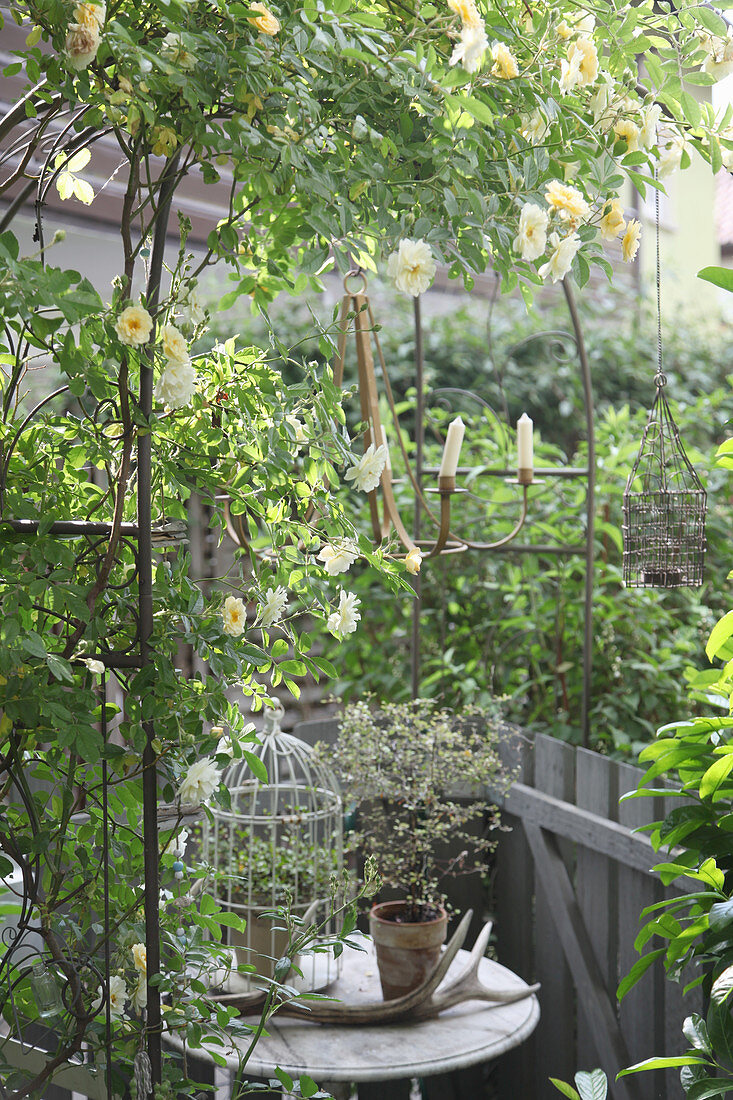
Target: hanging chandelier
x: 356, y: 315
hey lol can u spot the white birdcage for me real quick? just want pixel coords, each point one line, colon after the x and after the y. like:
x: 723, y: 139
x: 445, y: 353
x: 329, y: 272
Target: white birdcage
x: 281, y: 841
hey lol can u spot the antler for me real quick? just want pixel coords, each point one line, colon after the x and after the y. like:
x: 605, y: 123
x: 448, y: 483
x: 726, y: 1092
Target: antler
x: 420, y: 1004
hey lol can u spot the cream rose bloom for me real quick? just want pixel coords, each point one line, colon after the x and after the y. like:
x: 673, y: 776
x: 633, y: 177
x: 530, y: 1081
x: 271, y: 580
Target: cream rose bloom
x: 719, y: 62
x: 505, y: 63
x: 631, y: 240
x: 140, y: 994
x: 117, y: 996
x: 174, y: 345
x: 562, y: 257
x: 649, y: 121
x: 234, y: 615
x: 133, y: 326
x: 344, y: 619
x: 338, y: 557
x: 200, y: 781
x: 531, y: 240
x: 265, y: 22
x: 140, y: 957
x: 411, y: 267
x: 567, y: 200
x: 175, y: 50
x: 467, y: 11
x: 627, y: 130
x: 470, y: 48
x: 367, y: 472
x: 176, y: 385
x: 612, y: 223
x: 534, y: 128
x: 90, y: 15
x: 273, y: 606
x: 671, y: 157
x: 413, y: 560
x: 82, y: 43
x: 583, y: 56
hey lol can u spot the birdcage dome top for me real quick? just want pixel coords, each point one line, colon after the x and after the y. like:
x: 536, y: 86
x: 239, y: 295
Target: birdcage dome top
x: 299, y: 787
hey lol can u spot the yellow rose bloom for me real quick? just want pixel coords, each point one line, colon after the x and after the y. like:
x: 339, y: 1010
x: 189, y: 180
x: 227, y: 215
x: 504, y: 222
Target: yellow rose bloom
x: 82, y: 43
x: 612, y: 223
x: 174, y: 345
x: 140, y: 957
x: 583, y: 56
x: 567, y: 200
x: 631, y: 240
x: 505, y: 64
x: 89, y: 15
x: 413, y: 560
x: 467, y: 10
x: 628, y: 131
x: 266, y: 23
x: 133, y: 326
x: 234, y: 616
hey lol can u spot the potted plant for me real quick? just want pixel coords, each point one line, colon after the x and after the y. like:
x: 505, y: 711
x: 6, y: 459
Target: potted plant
x: 419, y: 775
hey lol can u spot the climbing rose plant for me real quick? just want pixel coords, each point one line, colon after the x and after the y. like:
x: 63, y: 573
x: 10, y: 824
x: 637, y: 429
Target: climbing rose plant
x: 387, y: 136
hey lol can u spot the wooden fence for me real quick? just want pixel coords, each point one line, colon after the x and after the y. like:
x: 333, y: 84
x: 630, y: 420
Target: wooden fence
x: 572, y: 880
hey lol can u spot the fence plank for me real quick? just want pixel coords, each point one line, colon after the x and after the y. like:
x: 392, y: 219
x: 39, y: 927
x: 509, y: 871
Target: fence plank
x: 596, y: 888
x: 641, y: 1011
x: 594, y: 1000
x: 554, y: 775
x: 513, y: 903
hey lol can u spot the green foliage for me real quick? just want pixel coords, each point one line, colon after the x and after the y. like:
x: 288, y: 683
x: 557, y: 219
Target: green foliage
x: 591, y: 1086
x: 509, y: 623
x: 405, y: 765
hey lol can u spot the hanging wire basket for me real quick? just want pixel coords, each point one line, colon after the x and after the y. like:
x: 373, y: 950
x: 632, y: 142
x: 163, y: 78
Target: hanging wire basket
x: 664, y: 508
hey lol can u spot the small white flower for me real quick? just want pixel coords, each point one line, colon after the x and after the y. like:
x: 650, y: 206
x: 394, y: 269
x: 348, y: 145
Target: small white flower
x: 470, y: 48
x: 200, y: 781
x: 344, y: 619
x: 411, y: 267
x: 562, y: 257
x: 273, y: 606
x: 650, y: 120
x: 531, y: 239
x: 337, y: 557
x: 179, y: 844
x: 176, y: 385
x: 118, y: 996
x: 234, y: 616
x: 413, y: 560
x: 97, y: 667
x: 534, y: 128
x: 225, y: 747
x: 671, y: 157
x: 174, y: 49
x: 367, y: 472
x: 298, y: 427
x: 192, y: 311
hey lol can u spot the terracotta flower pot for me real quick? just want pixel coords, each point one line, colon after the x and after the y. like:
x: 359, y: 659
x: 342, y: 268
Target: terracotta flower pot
x: 406, y: 952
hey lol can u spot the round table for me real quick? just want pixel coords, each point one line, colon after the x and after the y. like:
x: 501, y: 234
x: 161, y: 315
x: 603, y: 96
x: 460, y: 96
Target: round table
x: 465, y: 1035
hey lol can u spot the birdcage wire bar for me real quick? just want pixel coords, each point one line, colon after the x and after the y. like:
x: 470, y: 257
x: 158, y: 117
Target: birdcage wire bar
x: 664, y: 508
x: 279, y: 843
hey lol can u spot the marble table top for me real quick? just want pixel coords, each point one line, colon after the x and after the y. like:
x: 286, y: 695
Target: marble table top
x: 465, y: 1035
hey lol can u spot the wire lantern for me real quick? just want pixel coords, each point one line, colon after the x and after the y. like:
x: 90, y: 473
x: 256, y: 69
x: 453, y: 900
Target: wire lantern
x: 664, y: 499
x: 279, y: 844
x: 664, y: 508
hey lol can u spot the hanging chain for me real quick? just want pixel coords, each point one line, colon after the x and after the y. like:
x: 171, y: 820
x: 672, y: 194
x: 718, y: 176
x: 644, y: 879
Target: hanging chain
x: 659, y: 378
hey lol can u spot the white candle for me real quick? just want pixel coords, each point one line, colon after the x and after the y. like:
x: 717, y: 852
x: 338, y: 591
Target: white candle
x: 452, y: 449
x: 525, y: 442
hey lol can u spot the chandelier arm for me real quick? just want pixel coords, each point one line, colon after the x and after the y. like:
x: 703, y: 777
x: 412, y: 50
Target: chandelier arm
x: 507, y: 538
x: 396, y: 420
